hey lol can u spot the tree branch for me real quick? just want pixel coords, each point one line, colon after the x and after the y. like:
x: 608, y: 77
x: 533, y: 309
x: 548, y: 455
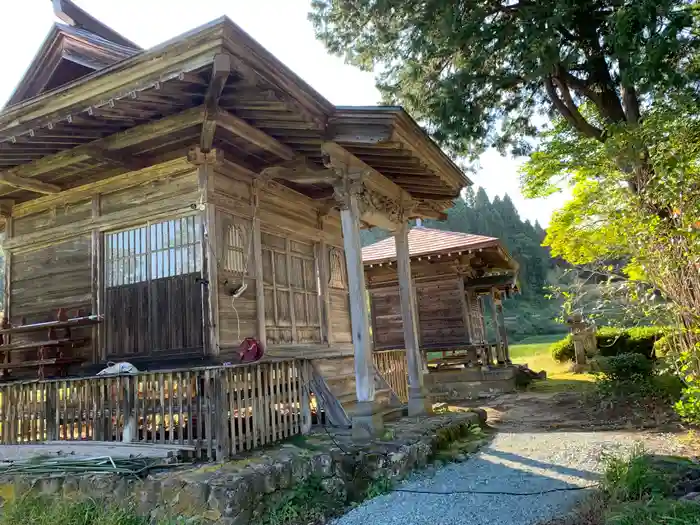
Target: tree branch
x: 568, y: 109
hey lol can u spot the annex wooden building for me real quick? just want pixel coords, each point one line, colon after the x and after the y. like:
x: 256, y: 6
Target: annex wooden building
x: 457, y: 277
x: 191, y: 195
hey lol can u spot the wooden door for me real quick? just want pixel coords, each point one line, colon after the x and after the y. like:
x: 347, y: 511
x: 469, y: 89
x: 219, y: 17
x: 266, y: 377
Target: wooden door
x: 153, y: 289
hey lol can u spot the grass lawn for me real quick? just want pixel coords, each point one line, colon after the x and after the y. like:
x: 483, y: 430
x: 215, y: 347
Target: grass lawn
x: 538, y: 357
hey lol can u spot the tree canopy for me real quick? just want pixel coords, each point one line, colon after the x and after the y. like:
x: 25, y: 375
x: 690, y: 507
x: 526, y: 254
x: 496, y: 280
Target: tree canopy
x: 478, y: 72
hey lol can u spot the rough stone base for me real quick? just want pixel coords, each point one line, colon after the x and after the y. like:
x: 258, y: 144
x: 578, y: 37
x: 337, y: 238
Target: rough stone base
x: 367, y: 421
x: 238, y: 492
x: 470, y: 383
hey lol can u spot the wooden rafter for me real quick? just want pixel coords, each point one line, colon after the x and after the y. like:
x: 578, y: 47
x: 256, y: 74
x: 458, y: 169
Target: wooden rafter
x: 98, y: 149
x: 220, y: 71
x: 241, y: 128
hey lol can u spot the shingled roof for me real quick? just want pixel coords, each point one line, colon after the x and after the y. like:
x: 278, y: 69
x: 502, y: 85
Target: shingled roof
x: 425, y: 241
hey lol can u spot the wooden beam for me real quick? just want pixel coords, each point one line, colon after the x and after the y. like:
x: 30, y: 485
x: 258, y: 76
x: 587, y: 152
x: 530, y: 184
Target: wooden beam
x: 72, y: 15
x: 220, y: 71
x: 241, y: 128
x: 10, y: 179
x: 372, y: 179
x: 123, y: 139
x: 115, y: 157
x: 300, y: 172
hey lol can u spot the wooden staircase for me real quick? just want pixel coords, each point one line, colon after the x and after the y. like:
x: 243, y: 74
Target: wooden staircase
x: 335, y: 382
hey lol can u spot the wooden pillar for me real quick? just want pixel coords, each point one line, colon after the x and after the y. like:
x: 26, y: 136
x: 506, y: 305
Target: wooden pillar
x: 494, y: 319
x: 367, y: 420
x: 502, y: 329
x: 418, y: 401
x: 324, y: 276
x: 205, y: 162
x: 259, y: 284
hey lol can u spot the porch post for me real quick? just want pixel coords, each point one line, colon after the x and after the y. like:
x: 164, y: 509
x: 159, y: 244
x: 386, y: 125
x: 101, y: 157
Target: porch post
x: 418, y: 400
x: 496, y: 328
x: 502, y: 328
x: 367, y: 420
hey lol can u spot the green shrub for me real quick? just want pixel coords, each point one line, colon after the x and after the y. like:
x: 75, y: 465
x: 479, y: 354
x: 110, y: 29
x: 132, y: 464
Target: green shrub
x: 563, y: 350
x: 688, y: 406
x: 641, y: 340
x: 624, y: 367
x: 613, y: 341
x: 634, y: 477
x: 664, y: 346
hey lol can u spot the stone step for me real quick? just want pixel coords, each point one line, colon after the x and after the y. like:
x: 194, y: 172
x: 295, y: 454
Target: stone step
x: 394, y: 413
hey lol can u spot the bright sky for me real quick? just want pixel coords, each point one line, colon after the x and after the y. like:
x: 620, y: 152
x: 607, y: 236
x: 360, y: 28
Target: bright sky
x: 279, y: 25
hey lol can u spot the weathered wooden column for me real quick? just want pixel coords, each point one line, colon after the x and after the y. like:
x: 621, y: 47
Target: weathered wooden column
x: 418, y: 399
x: 500, y: 359
x: 205, y: 162
x: 501, y: 325
x: 367, y: 421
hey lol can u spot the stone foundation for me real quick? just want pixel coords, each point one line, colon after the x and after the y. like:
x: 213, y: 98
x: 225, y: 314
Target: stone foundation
x: 469, y: 383
x: 237, y: 492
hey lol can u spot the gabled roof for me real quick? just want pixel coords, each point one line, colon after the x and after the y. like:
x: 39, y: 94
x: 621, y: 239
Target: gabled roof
x: 425, y: 241
x: 71, y: 51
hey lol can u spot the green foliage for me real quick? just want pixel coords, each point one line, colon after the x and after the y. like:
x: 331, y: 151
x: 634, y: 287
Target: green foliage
x: 626, y: 367
x: 638, y: 490
x: 563, y: 350
x: 613, y: 341
x: 307, y: 502
x: 480, y: 74
x: 634, y: 477
x: 45, y: 510
x: 662, y: 511
x: 688, y: 406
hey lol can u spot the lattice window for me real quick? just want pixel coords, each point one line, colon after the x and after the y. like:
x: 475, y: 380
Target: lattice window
x: 237, y: 247
x: 338, y: 274
x: 290, y: 279
x: 153, y: 251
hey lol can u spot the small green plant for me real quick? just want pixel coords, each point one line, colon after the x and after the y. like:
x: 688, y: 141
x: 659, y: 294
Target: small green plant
x: 378, y: 487
x: 634, y: 477
x: 307, y: 502
x: 661, y: 511
x: 46, y: 510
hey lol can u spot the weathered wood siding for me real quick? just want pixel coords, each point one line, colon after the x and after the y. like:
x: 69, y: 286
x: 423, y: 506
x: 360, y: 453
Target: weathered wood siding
x: 440, y: 313
x: 294, y: 238
x: 387, y: 325
x: 57, y: 253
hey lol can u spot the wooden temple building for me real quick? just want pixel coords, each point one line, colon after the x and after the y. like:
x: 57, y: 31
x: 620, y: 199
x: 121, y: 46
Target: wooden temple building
x: 162, y: 205
x: 454, y: 276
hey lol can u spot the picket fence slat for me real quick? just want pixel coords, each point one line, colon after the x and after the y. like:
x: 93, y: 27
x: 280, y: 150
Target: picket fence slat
x: 221, y: 411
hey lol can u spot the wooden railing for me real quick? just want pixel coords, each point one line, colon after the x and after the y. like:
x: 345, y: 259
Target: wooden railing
x: 392, y: 366
x: 216, y: 412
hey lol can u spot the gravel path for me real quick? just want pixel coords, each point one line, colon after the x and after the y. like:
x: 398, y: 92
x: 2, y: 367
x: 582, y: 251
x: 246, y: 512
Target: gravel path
x: 513, y: 462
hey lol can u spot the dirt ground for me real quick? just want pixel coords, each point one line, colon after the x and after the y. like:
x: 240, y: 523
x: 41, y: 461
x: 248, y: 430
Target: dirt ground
x: 577, y: 411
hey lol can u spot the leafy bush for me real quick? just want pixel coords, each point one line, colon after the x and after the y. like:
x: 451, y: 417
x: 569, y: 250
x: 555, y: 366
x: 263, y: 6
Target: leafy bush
x: 613, y: 341
x: 563, y: 350
x: 624, y: 367
x: 663, y: 346
x: 688, y: 406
